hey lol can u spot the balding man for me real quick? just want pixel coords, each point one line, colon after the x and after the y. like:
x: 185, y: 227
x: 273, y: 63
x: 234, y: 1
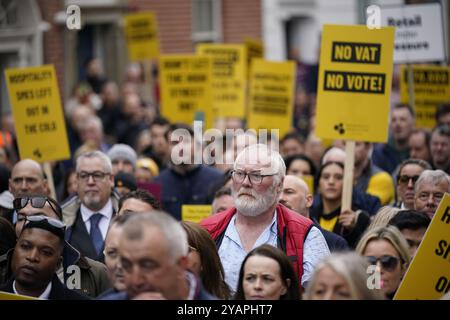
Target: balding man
x: 27, y: 179
x: 296, y: 196
x: 258, y: 218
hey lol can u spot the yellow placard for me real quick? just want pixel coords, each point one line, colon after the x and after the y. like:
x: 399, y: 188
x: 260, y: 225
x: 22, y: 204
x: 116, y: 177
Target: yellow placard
x: 271, y: 95
x: 186, y: 89
x: 195, y: 213
x: 354, y: 83
x: 431, y: 87
x: 141, y: 33
x: 229, y: 77
x: 37, y: 111
x: 11, y: 296
x: 309, y: 180
x: 255, y: 50
x: 428, y: 276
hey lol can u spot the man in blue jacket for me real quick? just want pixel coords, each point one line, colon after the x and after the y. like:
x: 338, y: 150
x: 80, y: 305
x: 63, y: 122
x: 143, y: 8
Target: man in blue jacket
x: 185, y: 182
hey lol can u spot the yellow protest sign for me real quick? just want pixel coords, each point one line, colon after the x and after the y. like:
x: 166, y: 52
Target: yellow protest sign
x: 195, y: 213
x: 428, y: 276
x: 271, y: 95
x: 38, y: 116
x: 354, y: 83
x: 186, y: 88
x: 11, y: 296
x: 229, y: 77
x: 141, y: 33
x: 431, y: 87
x: 255, y: 50
x: 309, y: 180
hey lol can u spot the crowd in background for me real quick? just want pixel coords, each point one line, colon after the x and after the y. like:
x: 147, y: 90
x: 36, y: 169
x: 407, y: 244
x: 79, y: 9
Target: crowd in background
x: 276, y: 230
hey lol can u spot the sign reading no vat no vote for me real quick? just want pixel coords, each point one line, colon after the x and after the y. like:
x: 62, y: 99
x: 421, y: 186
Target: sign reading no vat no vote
x: 354, y: 83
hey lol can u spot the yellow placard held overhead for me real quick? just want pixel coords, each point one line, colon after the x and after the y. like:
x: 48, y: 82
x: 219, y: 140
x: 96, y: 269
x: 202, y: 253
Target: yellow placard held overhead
x: 428, y: 276
x: 195, y: 213
x: 354, y: 83
x: 229, y: 77
x: 141, y: 33
x: 186, y: 88
x: 255, y: 50
x: 431, y: 87
x: 271, y: 95
x: 37, y: 111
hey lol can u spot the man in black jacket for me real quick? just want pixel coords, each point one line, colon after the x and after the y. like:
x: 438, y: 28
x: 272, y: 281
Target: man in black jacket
x: 36, y: 258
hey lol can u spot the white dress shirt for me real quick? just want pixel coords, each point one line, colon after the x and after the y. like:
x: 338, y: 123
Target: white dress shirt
x: 106, y: 212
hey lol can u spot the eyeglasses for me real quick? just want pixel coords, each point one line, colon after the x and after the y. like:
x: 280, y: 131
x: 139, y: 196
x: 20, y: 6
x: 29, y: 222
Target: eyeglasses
x: 96, y: 175
x: 36, y: 202
x: 405, y: 179
x: 389, y: 263
x: 255, y: 178
x: 53, y: 222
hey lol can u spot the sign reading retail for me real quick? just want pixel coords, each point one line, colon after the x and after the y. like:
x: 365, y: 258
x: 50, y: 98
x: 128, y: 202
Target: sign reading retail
x: 419, y: 33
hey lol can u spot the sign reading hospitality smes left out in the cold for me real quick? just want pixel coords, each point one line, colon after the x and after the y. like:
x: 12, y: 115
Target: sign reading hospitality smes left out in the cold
x: 428, y: 276
x: 229, y: 77
x: 38, y: 116
x: 354, y: 83
x: 271, y: 95
x: 142, y: 36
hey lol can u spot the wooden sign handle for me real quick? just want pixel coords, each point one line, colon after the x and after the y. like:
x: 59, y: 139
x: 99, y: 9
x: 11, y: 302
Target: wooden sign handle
x: 51, y: 184
x: 348, y: 176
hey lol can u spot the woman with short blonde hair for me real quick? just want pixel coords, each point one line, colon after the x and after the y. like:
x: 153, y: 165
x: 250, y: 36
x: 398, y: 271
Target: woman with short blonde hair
x: 342, y: 276
x: 387, y: 248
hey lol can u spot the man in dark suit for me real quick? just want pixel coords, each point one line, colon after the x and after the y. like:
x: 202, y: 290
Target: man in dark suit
x: 296, y: 196
x: 36, y: 258
x: 89, y: 214
x: 153, y: 252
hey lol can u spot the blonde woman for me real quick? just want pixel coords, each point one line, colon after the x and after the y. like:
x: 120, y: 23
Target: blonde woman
x: 342, y: 276
x: 386, y: 248
x: 382, y: 217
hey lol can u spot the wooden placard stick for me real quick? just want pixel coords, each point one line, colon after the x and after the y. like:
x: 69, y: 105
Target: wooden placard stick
x: 348, y: 175
x: 51, y: 184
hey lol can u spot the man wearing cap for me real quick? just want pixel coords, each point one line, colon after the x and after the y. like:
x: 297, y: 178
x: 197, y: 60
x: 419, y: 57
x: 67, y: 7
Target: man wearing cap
x: 124, y: 183
x: 123, y: 158
x: 36, y: 258
x: 89, y: 214
x: 92, y: 275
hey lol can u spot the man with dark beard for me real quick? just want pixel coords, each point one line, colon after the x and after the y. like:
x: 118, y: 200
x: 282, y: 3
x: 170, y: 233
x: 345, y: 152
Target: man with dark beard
x: 257, y: 219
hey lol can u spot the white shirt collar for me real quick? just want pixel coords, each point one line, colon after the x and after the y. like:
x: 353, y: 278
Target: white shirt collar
x: 44, y: 295
x: 106, y: 211
x: 192, y: 282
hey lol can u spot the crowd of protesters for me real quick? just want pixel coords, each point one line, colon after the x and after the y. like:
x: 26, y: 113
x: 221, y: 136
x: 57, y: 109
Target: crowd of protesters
x: 111, y: 228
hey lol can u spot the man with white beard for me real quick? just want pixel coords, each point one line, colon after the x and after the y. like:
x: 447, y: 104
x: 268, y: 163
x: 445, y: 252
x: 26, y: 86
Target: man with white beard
x: 257, y: 219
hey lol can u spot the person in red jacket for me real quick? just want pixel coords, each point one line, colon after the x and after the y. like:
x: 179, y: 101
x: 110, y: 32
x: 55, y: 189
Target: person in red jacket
x: 257, y: 218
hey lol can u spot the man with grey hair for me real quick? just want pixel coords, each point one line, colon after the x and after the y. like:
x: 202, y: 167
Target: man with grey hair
x: 88, y: 214
x: 258, y: 219
x: 429, y: 191
x: 153, y: 252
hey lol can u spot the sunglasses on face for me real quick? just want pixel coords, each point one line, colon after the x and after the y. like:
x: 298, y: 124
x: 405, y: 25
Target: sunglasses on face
x: 36, y: 202
x: 389, y: 263
x: 404, y: 179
